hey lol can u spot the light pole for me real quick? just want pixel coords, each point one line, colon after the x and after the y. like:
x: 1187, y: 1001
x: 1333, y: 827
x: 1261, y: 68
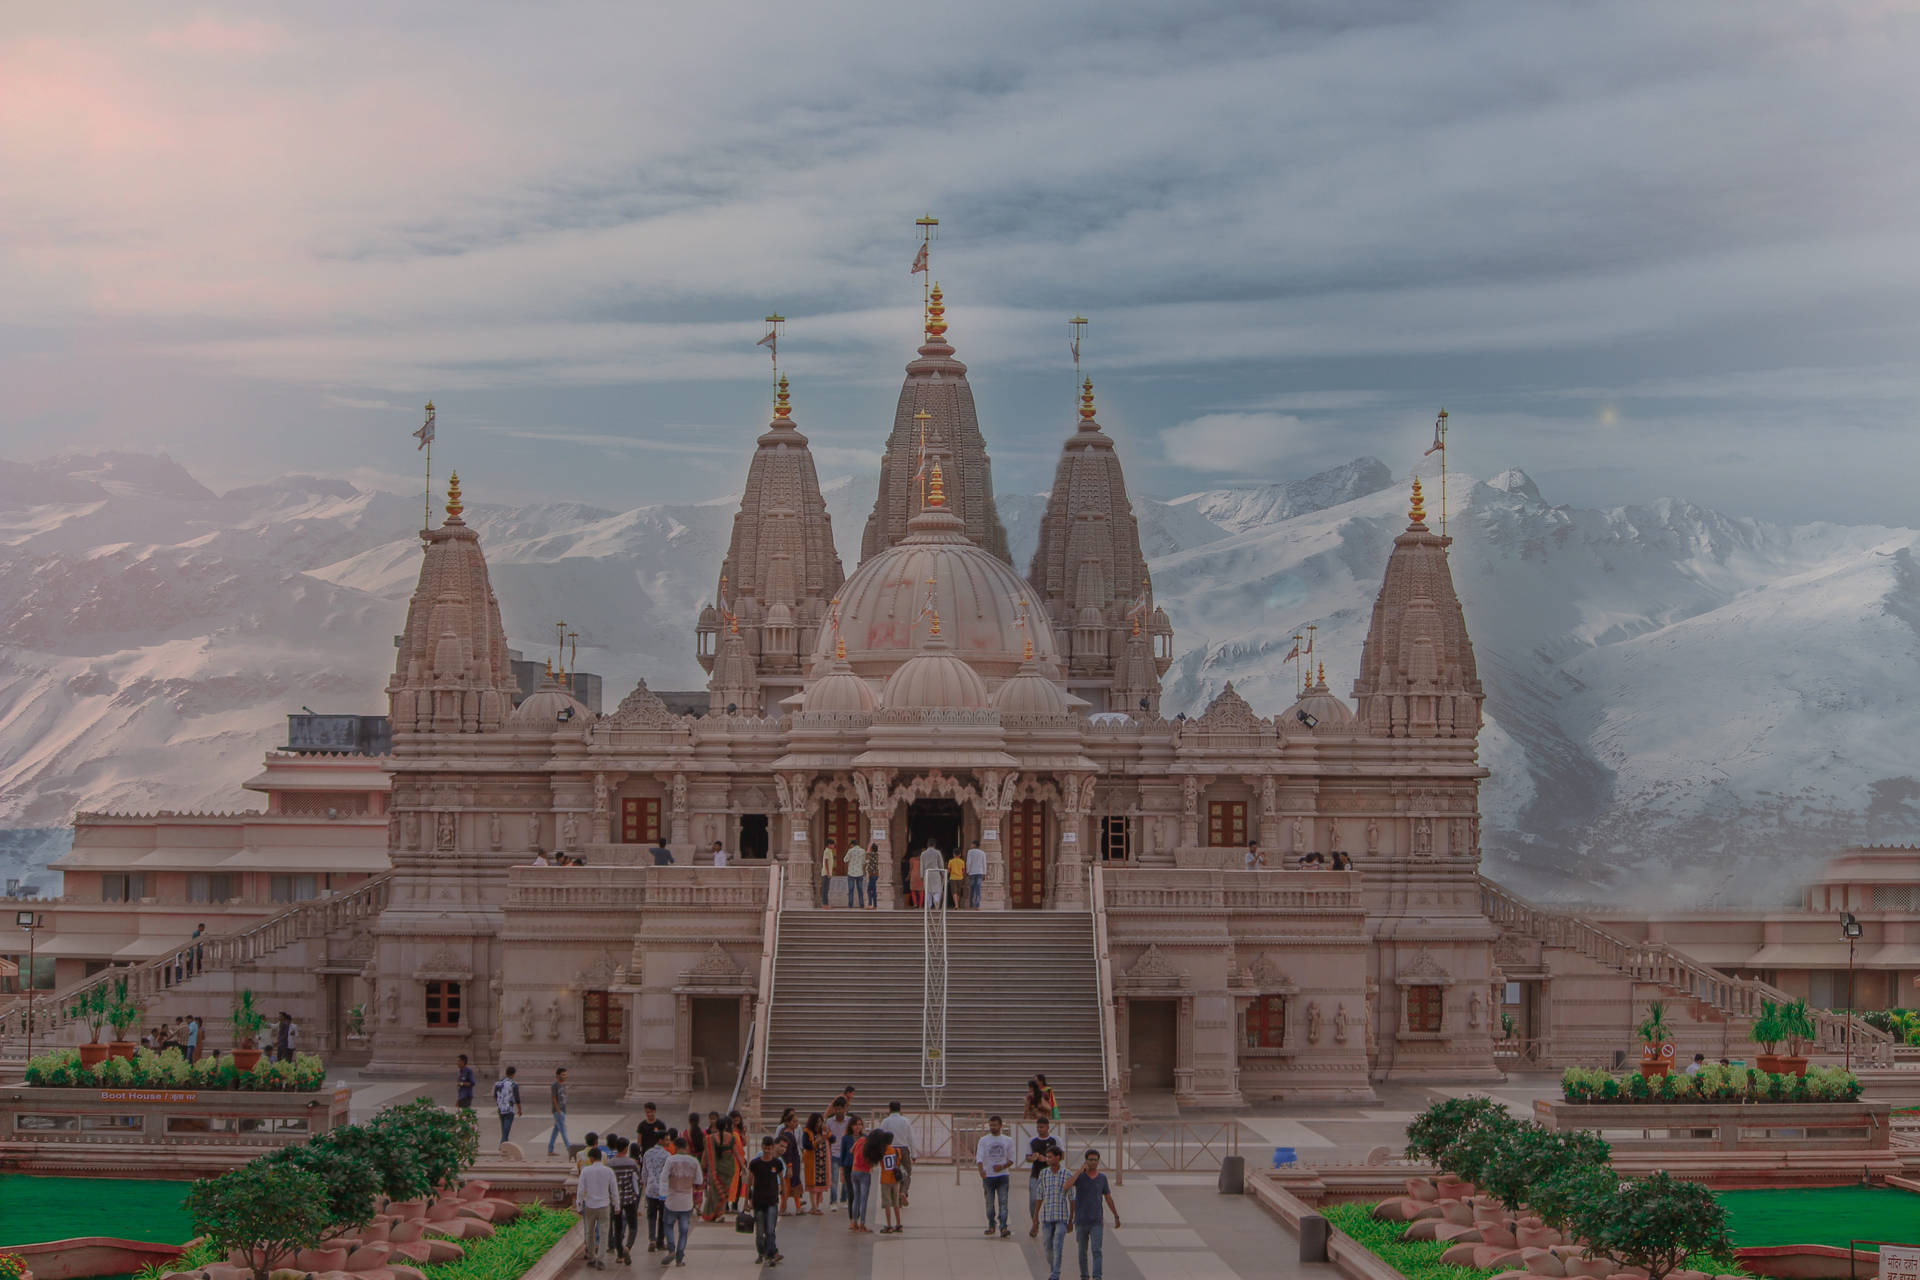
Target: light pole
x: 29, y: 921
x: 1850, y: 929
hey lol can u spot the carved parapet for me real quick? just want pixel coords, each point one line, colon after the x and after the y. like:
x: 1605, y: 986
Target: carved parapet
x: 1307, y: 893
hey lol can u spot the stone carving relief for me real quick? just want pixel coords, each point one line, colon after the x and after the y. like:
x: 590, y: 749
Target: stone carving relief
x: 1333, y: 835
x: 1373, y: 835
x: 1424, y: 968
x: 1511, y: 953
x: 1229, y: 713
x: 781, y: 795
x: 1190, y: 796
x: 1269, y: 797
x: 599, y: 793
x: 716, y: 964
x: 553, y: 1018
x: 1340, y: 1024
x: 1299, y: 830
x: 533, y: 830
x: 569, y: 831
x: 642, y: 709
x: 412, y: 825
x: 1153, y: 968
x: 496, y: 831
x: 526, y: 1017
x: 444, y: 832
x: 1313, y: 1022
x: 393, y: 831
x: 1473, y: 1012
x: 1423, y: 837
x: 392, y: 999
x: 679, y: 793
x: 597, y: 975
x: 1266, y: 975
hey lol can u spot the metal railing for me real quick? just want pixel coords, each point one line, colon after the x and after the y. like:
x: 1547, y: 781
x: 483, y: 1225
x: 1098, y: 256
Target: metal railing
x: 1660, y: 963
x: 1109, y: 1049
x: 933, y: 987
x: 153, y: 978
x: 1125, y: 1146
x: 760, y: 1033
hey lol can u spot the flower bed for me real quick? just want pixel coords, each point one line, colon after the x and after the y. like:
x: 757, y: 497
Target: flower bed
x: 509, y: 1252
x: 61, y: 1069
x: 1420, y: 1259
x: 1718, y: 1084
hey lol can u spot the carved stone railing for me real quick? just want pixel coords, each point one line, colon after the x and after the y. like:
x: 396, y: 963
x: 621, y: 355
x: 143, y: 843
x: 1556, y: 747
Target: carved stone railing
x: 314, y: 918
x: 1660, y: 964
x: 736, y: 888
x: 1302, y: 892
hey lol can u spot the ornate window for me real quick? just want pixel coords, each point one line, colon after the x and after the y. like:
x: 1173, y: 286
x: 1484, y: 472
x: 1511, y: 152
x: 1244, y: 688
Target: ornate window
x: 602, y: 1017
x: 1114, y: 837
x: 639, y: 819
x: 1267, y: 1023
x: 1226, y: 823
x: 443, y: 1004
x: 1424, y: 1008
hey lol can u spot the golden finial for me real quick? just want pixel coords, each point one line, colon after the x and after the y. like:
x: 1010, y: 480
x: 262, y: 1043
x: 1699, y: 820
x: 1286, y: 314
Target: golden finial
x: 1418, y: 512
x: 1086, y: 400
x: 936, y: 314
x: 1323, y: 673
x: 936, y: 488
x: 1136, y: 624
x: 454, y: 505
x: 429, y: 406
x: 549, y: 670
x: 933, y: 624
x: 840, y: 647
x: 781, y: 408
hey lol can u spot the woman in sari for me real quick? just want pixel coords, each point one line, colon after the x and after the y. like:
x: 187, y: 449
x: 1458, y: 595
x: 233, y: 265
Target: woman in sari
x: 1033, y: 1111
x: 819, y: 1158
x: 1049, y: 1106
x: 720, y: 1170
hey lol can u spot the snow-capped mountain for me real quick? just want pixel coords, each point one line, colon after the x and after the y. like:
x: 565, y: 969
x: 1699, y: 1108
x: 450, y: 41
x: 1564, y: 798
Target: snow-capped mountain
x: 1709, y: 699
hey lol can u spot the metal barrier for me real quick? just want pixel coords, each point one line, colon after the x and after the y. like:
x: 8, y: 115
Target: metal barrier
x: 1125, y: 1146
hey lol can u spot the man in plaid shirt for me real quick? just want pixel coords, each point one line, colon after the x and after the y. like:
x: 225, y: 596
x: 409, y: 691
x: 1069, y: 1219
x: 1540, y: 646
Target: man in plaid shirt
x: 651, y: 1165
x: 1053, y: 1212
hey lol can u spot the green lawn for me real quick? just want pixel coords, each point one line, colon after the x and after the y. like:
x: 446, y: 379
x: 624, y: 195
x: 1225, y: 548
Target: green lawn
x: 1822, y: 1215
x: 34, y: 1209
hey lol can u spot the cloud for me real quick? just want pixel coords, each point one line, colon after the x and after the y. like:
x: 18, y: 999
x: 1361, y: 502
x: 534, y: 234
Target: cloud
x: 350, y: 402
x: 1239, y: 442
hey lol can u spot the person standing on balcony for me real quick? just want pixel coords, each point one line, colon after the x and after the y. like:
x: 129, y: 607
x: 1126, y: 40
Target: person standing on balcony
x: 856, y: 875
x: 506, y: 1097
x: 976, y: 874
x: 719, y: 854
x: 827, y: 865
x: 662, y: 856
x: 557, y: 1094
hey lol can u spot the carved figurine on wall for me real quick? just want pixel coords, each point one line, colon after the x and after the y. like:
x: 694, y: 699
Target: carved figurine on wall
x: 445, y: 832
x: 1423, y: 837
x: 599, y: 793
x: 1340, y: 1024
x: 1313, y: 1022
x: 533, y: 830
x: 1190, y: 796
x: 412, y: 825
x: 553, y: 1018
x: 1473, y: 1011
x: 392, y: 999
x: 496, y: 831
x: 1373, y: 835
x: 526, y: 1017
x: 679, y: 793
x: 570, y: 832
x: 1299, y: 834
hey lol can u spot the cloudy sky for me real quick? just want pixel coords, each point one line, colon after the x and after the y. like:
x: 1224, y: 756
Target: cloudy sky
x: 1637, y: 249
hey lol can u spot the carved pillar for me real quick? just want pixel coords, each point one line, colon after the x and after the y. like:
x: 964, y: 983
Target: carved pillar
x: 602, y: 824
x: 996, y: 798
x: 680, y: 831
x: 880, y: 837
x: 1269, y: 828
x: 1190, y: 812
x: 682, y: 1045
x: 1070, y: 881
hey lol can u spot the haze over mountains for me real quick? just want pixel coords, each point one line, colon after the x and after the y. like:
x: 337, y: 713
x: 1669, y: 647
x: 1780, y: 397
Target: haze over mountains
x: 1683, y: 705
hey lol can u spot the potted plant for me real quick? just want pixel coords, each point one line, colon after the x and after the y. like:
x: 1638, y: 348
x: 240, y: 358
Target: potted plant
x: 1797, y: 1029
x: 14, y: 1267
x: 357, y: 1022
x: 1656, y: 1054
x: 248, y: 1022
x: 1777, y: 1022
x: 123, y: 1015
x: 91, y: 1008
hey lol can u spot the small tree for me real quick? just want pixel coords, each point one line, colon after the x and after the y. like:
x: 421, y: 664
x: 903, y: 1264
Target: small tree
x: 1796, y: 1026
x: 1526, y: 1156
x: 1442, y: 1124
x: 268, y: 1212
x: 1767, y: 1031
x: 444, y: 1144
x: 1653, y: 1028
x: 341, y: 1160
x: 122, y: 1013
x: 1560, y: 1196
x: 91, y: 1008
x: 247, y: 1019
x: 1655, y: 1223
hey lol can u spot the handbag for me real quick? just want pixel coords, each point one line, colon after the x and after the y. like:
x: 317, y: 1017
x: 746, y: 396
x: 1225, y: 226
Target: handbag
x: 743, y: 1223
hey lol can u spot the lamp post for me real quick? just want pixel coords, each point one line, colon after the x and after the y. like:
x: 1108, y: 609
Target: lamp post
x: 1850, y: 929
x: 29, y: 921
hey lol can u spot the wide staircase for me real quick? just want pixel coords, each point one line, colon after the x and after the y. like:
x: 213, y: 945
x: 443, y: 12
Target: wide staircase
x: 1022, y: 997
x: 354, y: 909
x: 1716, y: 995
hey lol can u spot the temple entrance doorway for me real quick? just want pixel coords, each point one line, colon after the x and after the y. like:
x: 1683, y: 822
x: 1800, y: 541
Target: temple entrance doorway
x: 715, y: 1041
x: 753, y: 835
x: 934, y: 822
x: 1152, y: 1042
x: 1026, y: 846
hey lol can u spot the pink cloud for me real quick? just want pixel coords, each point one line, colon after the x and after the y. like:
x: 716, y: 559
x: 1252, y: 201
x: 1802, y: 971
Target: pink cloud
x: 213, y: 35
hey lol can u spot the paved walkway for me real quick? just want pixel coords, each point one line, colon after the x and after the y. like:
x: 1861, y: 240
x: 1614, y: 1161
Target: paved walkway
x: 1178, y: 1227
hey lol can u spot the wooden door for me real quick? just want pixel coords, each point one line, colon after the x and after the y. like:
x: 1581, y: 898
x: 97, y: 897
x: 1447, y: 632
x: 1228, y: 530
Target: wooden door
x: 639, y: 819
x: 840, y: 826
x: 1026, y: 846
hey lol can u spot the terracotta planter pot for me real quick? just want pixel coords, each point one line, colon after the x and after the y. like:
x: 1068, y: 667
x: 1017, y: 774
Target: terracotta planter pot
x: 92, y: 1055
x: 1780, y: 1064
x: 243, y: 1059
x: 121, y: 1049
x: 1656, y: 1060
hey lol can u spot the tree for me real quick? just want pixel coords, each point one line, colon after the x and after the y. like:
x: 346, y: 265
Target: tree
x: 1437, y: 1128
x: 1655, y: 1223
x: 1561, y: 1194
x: 343, y: 1161
x: 444, y: 1144
x: 267, y: 1211
x: 1525, y: 1156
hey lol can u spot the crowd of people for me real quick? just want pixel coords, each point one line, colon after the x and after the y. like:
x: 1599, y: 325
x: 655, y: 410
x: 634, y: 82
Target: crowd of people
x: 832, y: 1162
x: 956, y: 880
x: 188, y: 1035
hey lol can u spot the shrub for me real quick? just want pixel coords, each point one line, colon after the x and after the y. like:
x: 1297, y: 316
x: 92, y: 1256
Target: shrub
x: 268, y: 1211
x: 341, y: 1159
x: 1564, y: 1191
x: 57, y: 1069
x: 1768, y: 1031
x: 1715, y: 1084
x: 510, y: 1251
x: 122, y: 1013
x: 248, y: 1020
x: 12, y: 1266
x: 1653, y: 1028
x: 1526, y: 1155
x: 1655, y: 1222
x: 444, y: 1143
x: 1796, y: 1026
x: 1437, y: 1129
x: 115, y: 1073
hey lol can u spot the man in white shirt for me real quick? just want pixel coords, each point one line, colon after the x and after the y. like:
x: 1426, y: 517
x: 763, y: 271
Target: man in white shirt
x: 827, y: 862
x: 856, y: 875
x: 976, y: 873
x: 902, y: 1130
x: 994, y: 1154
x: 540, y: 859
x: 681, y: 1177
x: 719, y: 854
x: 594, y: 1198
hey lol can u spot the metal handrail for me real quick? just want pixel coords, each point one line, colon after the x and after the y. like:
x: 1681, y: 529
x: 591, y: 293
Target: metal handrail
x: 933, y: 985
x: 760, y: 1033
x: 1109, y: 1034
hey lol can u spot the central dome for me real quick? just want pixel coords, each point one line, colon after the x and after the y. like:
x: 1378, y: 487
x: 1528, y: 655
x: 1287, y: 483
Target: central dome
x: 981, y: 602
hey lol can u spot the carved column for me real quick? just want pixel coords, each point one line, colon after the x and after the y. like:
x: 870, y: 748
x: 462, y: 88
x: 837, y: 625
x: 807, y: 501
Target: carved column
x: 1190, y: 812
x: 602, y: 823
x: 996, y: 798
x: 680, y: 832
x: 682, y: 1045
x: 1269, y: 829
x: 879, y: 811
x: 1070, y: 880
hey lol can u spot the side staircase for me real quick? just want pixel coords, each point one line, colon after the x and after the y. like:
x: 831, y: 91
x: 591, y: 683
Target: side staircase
x: 1715, y: 996
x: 1022, y: 997
x: 147, y: 983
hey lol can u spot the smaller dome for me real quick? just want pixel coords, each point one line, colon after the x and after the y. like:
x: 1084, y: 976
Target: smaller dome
x: 1028, y: 693
x: 778, y: 615
x: 934, y: 678
x: 1319, y: 702
x: 1089, y: 616
x: 839, y: 690
x: 548, y: 710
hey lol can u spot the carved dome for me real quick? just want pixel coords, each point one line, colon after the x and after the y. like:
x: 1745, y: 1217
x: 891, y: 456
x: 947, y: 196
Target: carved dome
x: 980, y: 600
x: 1319, y: 702
x: 839, y: 690
x: 1030, y: 693
x: 935, y: 679
x: 543, y: 711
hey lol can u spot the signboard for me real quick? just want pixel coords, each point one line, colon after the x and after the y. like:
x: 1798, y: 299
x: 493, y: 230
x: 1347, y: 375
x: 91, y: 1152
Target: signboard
x: 146, y: 1095
x: 1899, y: 1262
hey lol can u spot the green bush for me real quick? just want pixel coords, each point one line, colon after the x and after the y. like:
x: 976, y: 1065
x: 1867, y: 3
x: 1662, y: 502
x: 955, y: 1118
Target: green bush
x: 442, y: 1143
x: 1562, y: 1192
x: 1417, y: 1260
x: 1713, y: 1083
x: 268, y: 1211
x: 61, y: 1069
x: 1525, y: 1156
x: 1441, y: 1126
x: 509, y: 1252
x: 1656, y: 1222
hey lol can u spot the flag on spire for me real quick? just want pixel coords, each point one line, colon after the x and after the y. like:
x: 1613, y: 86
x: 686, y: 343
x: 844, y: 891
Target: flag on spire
x: 772, y: 340
x: 919, y: 260
x: 1293, y: 654
x: 1439, y: 444
x: 425, y: 434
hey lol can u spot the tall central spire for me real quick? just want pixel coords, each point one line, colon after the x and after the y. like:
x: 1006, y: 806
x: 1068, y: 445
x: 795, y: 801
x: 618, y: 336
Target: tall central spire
x: 936, y: 385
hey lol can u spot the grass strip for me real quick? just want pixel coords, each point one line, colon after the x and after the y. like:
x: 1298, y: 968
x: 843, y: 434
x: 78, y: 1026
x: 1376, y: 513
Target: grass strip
x: 1420, y: 1259
x: 509, y: 1251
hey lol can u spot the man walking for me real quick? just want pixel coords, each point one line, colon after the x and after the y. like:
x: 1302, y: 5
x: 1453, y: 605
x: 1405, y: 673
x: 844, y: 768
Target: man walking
x: 682, y: 1178
x: 650, y: 1129
x: 463, y: 1082
x: 506, y: 1097
x: 856, y: 875
x: 1053, y: 1212
x: 827, y: 864
x: 1037, y: 1147
x: 557, y: 1094
x: 653, y: 1184
x: 902, y: 1130
x: 765, y: 1173
x: 626, y: 1206
x: 662, y: 856
x: 595, y: 1200
x: 976, y: 874
x: 1089, y: 1187
x: 994, y: 1154
x: 956, y: 878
